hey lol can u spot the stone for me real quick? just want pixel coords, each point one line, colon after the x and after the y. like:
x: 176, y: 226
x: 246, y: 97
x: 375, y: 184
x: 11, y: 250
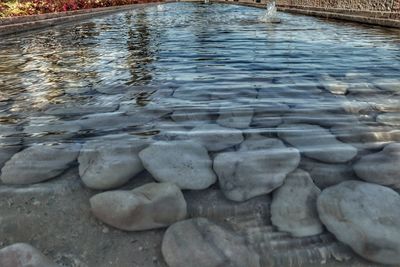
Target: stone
x: 39, y: 163
x: 294, y: 206
x: 364, y: 216
x: 316, y: 142
x: 153, y: 205
x: 366, y: 136
x: 334, y: 86
x: 110, y: 161
x: 382, y: 167
x: 189, y: 116
x: 6, y: 152
x: 98, y: 104
x: 215, y: 137
x: 187, y: 164
x: 112, y: 121
x: 318, y: 117
x: 201, y: 242
x: 391, y: 119
x: 327, y: 174
x: 23, y: 255
x: 392, y: 85
x: 49, y: 128
x: 235, y: 117
x: 258, y: 167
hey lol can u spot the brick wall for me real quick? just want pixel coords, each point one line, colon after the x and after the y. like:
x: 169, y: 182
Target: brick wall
x: 372, y: 5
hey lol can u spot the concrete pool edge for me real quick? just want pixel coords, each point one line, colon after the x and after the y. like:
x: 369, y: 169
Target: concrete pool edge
x: 14, y: 25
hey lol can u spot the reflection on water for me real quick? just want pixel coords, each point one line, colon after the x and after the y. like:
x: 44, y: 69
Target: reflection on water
x: 311, y: 93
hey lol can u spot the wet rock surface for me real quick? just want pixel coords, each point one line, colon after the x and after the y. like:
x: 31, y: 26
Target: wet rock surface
x: 316, y: 142
x: 258, y: 167
x: 205, y: 244
x: 111, y: 161
x: 187, y: 164
x: 215, y: 137
x: 365, y: 217
x: 382, y: 167
x: 146, y: 207
x: 327, y: 174
x: 294, y: 206
x: 39, y: 163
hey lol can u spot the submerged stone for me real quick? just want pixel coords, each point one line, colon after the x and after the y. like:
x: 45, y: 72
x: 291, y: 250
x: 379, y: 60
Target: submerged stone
x: 235, y: 117
x: 215, y: 137
x: 382, y: 167
x: 149, y: 206
x: 327, y: 174
x: 185, y: 163
x: 39, y: 163
x: 364, y: 216
x: 294, y: 205
x: 110, y: 161
x: 201, y: 242
x: 317, y: 143
x: 257, y: 168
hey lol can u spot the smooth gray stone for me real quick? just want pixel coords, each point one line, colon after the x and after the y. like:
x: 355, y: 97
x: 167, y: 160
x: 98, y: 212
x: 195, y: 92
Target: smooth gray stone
x: 366, y: 136
x: 191, y: 116
x: 257, y: 168
x: 111, y: 121
x: 294, y: 206
x: 334, y: 86
x: 392, y: 119
x: 187, y: 164
x: 110, y: 161
x: 23, y: 255
x: 150, y: 206
x: 320, y: 118
x: 235, y: 117
x: 6, y: 152
x: 47, y: 128
x: 266, y: 120
x: 75, y: 107
x: 364, y: 216
x: 39, y: 163
x: 316, y: 142
x: 388, y: 84
x: 382, y: 167
x: 327, y: 174
x: 200, y: 242
x: 215, y: 137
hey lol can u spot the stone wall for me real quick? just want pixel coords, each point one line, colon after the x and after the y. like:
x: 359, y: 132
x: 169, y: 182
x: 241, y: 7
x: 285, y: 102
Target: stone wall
x: 371, y: 5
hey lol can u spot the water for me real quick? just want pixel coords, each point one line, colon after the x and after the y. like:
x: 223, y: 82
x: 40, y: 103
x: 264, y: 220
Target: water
x: 211, y: 73
x: 271, y: 13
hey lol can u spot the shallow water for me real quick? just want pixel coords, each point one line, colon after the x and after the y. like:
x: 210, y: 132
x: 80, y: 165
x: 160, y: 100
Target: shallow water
x: 211, y: 74
x: 211, y: 55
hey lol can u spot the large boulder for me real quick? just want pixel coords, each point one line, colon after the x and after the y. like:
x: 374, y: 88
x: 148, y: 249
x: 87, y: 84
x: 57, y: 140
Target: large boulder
x: 258, y: 167
x: 200, y: 242
x: 364, y: 216
x: 147, y: 207
x: 316, y: 142
x: 110, y: 162
x: 23, y: 255
x: 39, y: 163
x: 187, y: 164
x: 294, y: 205
x: 382, y: 167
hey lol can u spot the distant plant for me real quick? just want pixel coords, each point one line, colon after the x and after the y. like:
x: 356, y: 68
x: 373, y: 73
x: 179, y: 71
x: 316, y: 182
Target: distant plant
x: 31, y: 7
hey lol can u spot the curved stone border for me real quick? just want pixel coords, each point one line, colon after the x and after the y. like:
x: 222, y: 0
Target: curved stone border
x: 14, y: 25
